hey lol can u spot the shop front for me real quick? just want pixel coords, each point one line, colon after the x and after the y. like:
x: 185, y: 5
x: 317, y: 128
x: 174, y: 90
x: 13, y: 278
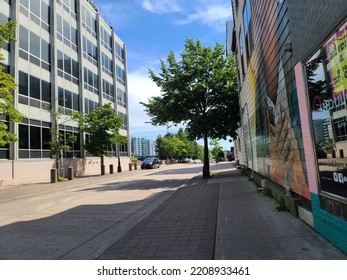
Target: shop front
x: 322, y: 89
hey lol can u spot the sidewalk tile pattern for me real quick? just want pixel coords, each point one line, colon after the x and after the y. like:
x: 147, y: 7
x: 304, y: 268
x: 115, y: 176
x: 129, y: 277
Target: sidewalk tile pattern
x: 183, y: 227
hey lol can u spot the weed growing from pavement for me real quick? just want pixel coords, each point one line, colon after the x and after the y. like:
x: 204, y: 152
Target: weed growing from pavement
x: 61, y: 178
x: 282, y: 206
x: 268, y: 192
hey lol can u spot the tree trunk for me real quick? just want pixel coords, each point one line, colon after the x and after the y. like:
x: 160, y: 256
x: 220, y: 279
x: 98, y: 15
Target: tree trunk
x: 206, y: 168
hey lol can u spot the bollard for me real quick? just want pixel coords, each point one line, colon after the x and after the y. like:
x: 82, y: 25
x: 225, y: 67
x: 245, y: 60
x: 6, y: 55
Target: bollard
x: 70, y: 173
x: 130, y: 167
x: 135, y: 165
x: 341, y: 153
x: 111, y: 168
x: 54, y: 176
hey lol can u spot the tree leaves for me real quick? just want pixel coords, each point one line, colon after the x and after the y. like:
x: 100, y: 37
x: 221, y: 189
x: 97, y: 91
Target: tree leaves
x: 7, y: 85
x: 199, y: 90
x: 102, y: 125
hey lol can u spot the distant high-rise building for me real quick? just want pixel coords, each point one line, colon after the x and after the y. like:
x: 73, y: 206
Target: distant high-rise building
x: 142, y: 146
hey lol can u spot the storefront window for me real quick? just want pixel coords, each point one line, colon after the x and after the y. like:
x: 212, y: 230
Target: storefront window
x: 326, y: 73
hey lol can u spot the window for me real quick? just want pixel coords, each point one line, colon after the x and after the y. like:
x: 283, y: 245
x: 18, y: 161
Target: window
x: 34, y: 48
x: 34, y: 138
x: 107, y: 65
x: 4, y: 150
x: 120, y: 75
x: 45, y: 10
x: 33, y: 87
x: 46, y: 91
x: 69, y: 6
x: 68, y: 67
x: 66, y: 33
x: 241, y: 54
x: 35, y: 7
x: 45, y: 51
x: 24, y: 38
x: 119, y: 52
x: 88, y: 21
x: 247, y: 27
x: 91, y: 81
x: 327, y: 87
x: 90, y: 51
x: 121, y: 98
x: 23, y: 83
x: 125, y: 121
x: 37, y: 11
x: 107, y: 89
x: 35, y: 45
x: 106, y: 39
x: 69, y: 100
x: 90, y: 105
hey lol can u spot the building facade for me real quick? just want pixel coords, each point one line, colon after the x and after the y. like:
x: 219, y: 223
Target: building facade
x: 142, y: 147
x: 66, y: 55
x: 291, y: 58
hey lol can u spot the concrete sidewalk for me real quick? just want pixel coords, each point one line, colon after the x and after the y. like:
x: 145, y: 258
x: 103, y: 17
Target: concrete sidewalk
x: 250, y: 227
x: 223, y: 217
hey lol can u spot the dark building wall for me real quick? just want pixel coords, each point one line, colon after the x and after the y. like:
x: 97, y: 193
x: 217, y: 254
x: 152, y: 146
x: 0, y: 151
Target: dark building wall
x: 312, y: 21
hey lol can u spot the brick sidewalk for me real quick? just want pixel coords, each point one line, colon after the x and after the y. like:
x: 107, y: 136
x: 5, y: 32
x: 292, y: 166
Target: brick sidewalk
x: 183, y: 227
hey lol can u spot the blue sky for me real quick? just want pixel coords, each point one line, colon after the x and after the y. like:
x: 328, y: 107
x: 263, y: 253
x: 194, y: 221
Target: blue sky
x: 150, y: 29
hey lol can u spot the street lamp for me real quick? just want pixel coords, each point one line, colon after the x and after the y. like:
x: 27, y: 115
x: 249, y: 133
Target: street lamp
x: 250, y: 137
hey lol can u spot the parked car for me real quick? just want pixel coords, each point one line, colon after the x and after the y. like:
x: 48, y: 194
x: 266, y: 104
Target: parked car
x: 197, y: 161
x: 150, y: 162
x: 185, y: 160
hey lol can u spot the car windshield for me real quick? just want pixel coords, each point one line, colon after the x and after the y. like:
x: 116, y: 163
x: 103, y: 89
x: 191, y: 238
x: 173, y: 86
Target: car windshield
x: 147, y: 160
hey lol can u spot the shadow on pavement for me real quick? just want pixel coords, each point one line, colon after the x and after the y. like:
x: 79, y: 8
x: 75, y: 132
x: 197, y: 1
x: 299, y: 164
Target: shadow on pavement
x: 137, y: 185
x: 76, y: 233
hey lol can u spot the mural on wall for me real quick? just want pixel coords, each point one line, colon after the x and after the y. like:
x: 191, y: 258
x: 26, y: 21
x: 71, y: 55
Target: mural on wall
x: 326, y: 73
x: 279, y: 144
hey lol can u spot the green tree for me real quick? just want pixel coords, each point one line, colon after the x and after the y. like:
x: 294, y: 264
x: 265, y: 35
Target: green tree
x: 170, y: 146
x: 216, y: 150
x: 178, y: 146
x: 7, y: 85
x: 200, y: 90
x: 57, y: 143
x: 102, y: 125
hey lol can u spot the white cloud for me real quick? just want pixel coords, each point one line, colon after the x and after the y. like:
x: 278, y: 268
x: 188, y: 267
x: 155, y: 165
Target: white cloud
x: 161, y: 6
x: 140, y: 88
x: 214, y: 16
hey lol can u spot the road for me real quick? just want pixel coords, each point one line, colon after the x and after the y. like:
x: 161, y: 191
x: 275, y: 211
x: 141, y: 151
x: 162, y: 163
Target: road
x: 79, y: 219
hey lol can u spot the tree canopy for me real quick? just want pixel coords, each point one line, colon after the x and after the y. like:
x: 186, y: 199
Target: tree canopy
x: 102, y: 126
x: 7, y: 85
x: 176, y: 146
x: 199, y: 90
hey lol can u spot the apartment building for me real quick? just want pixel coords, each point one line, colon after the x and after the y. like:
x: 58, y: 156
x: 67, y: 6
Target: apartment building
x: 66, y: 54
x: 142, y: 146
x: 291, y: 59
